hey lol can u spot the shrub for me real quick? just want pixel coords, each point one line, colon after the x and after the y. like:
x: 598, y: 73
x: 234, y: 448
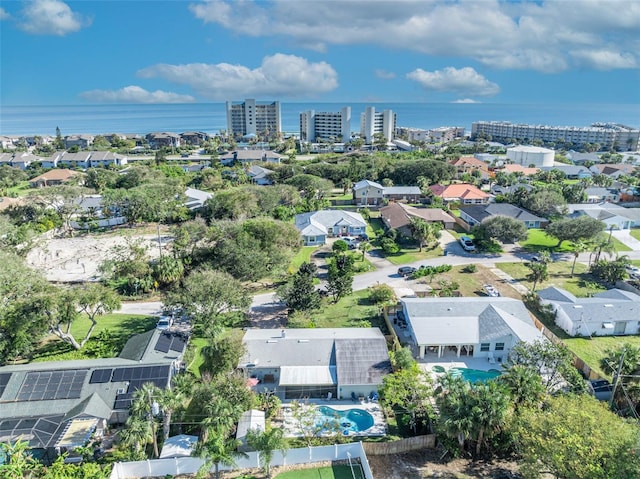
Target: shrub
x: 470, y: 268
x: 381, y: 293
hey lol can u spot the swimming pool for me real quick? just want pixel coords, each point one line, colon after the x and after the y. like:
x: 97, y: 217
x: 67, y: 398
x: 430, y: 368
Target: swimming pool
x: 349, y: 421
x: 475, y: 375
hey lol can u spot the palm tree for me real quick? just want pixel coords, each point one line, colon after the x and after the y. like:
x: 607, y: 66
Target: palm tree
x: 365, y: 247
x: 216, y: 450
x: 524, y: 384
x: 221, y: 416
x: 539, y: 272
x: 170, y: 400
x: 266, y: 442
x: 136, y: 433
x: 145, y: 400
x: 578, y: 247
x: 419, y: 230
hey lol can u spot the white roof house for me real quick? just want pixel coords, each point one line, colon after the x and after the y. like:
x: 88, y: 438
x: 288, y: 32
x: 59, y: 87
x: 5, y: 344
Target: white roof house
x: 322, y: 362
x: 316, y: 226
x: 196, y: 198
x: 609, y: 313
x: 485, y: 327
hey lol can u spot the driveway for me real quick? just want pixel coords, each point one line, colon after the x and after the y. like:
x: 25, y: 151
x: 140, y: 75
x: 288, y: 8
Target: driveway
x: 625, y: 238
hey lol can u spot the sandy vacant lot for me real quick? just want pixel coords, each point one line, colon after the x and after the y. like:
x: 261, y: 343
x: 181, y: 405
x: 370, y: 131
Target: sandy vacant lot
x: 77, y: 259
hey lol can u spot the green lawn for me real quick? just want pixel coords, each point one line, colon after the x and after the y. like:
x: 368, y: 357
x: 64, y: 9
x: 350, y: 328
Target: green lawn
x: 409, y: 255
x: 347, y: 312
x: 635, y: 233
x: 539, y: 241
x: 581, y: 285
x: 328, y: 472
x: 117, y: 328
x: 304, y: 255
x: 22, y: 189
x: 591, y: 351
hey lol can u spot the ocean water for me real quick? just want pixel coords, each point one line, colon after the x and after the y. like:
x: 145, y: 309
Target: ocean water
x: 211, y: 117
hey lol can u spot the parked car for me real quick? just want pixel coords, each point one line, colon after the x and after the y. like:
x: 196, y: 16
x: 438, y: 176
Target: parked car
x: 490, y: 290
x: 406, y: 270
x: 363, y: 237
x: 164, y: 322
x: 601, y: 389
x: 633, y: 271
x: 467, y: 243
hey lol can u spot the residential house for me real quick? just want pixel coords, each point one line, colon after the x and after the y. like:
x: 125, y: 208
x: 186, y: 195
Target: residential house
x: 596, y: 194
x: 509, y: 190
x: 463, y: 193
x: 469, y: 164
x: 7, y: 143
x: 57, y: 406
x: 194, y: 138
x: 23, y: 160
x: 580, y: 158
x: 91, y: 213
x: 6, y: 159
x: 610, y: 313
x: 52, y: 178
x: 53, y: 161
x: 81, y: 141
x: 259, y: 175
x: 338, y: 363
x: 367, y: 192
x: 315, y: 227
x: 613, y: 170
x: 106, y: 158
x: 612, y: 215
x: 160, y: 140
x: 524, y: 170
x: 80, y: 159
x: 483, y: 327
x: 251, y: 156
x: 398, y: 216
x: 473, y: 215
x: 572, y: 172
x: 407, y: 194
x: 196, y: 198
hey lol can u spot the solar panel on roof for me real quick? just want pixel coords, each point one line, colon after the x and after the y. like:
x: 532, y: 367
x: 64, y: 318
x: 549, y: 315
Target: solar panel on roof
x: 178, y: 344
x: 100, y: 376
x: 47, y: 385
x: 163, y: 344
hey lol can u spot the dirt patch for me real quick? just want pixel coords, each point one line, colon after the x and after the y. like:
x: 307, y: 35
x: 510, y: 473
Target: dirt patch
x: 427, y: 464
x: 76, y: 259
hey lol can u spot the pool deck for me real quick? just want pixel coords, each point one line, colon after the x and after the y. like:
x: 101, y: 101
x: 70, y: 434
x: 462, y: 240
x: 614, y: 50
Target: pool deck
x: 450, y: 362
x: 379, y: 427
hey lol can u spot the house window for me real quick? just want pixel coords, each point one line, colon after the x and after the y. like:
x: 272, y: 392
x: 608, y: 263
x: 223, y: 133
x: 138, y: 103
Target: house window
x: 499, y: 347
x: 312, y: 239
x: 484, y: 347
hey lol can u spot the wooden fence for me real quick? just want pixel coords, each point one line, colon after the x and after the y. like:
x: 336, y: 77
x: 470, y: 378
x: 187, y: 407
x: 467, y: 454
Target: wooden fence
x: 402, y: 445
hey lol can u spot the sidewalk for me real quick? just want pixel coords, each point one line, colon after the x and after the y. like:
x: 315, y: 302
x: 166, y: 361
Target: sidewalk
x: 625, y: 238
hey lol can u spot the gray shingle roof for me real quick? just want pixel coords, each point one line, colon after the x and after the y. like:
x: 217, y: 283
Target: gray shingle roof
x: 480, y: 212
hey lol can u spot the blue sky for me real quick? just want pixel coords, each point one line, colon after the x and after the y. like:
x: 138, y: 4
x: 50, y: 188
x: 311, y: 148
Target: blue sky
x: 145, y: 51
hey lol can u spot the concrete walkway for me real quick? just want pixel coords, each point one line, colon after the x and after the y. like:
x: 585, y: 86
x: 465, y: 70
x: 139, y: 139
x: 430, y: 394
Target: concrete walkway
x: 625, y: 238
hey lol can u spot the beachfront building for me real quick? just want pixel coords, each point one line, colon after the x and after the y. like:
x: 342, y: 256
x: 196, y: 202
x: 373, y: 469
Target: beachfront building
x: 372, y: 122
x: 441, y: 134
x: 607, y: 135
x: 250, y: 119
x: 332, y: 125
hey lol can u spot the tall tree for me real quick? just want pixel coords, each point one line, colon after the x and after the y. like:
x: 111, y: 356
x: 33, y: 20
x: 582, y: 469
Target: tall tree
x: 501, y: 228
x: 266, y: 443
x: 409, y: 392
x: 300, y: 294
x: 144, y: 406
x: 576, y: 437
x: 582, y: 228
x: 539, y: 272
x: 217, y: 450
x: 209, y: 296
x: 340, y: 276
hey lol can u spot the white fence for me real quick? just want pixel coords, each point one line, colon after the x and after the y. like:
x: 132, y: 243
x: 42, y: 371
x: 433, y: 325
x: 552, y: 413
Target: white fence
x: 190, y: 465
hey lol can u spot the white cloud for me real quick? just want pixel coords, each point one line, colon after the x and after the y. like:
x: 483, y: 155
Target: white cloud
x: 465, y: 100
x: 511, y: 35
x: 51, y: 17
x: 135, y: 94
x: 385, y: 75
x: 604, y: 59
x: 279, y: 75
x: 458, y: 80
x: 3, y: 14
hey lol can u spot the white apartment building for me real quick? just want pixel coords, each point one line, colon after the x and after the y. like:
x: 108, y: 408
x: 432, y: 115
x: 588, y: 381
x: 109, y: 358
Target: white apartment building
x: 372, y: 123
x: 441, y: 134
x: 607, y: 135
x: 252, y: 118
x: 316, y: 125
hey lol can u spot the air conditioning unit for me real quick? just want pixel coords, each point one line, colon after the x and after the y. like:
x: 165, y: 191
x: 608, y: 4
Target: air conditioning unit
x: 121, y: 391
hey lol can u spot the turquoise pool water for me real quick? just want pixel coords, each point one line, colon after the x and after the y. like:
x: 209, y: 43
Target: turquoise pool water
x: 349, y: 421
x: 475, y: 375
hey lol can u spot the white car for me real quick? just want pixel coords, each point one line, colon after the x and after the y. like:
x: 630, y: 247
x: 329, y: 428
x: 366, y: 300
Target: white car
x: 490, y: 290
x: 633, y: 271
x: 164, y: 322
x: 467, y: 243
